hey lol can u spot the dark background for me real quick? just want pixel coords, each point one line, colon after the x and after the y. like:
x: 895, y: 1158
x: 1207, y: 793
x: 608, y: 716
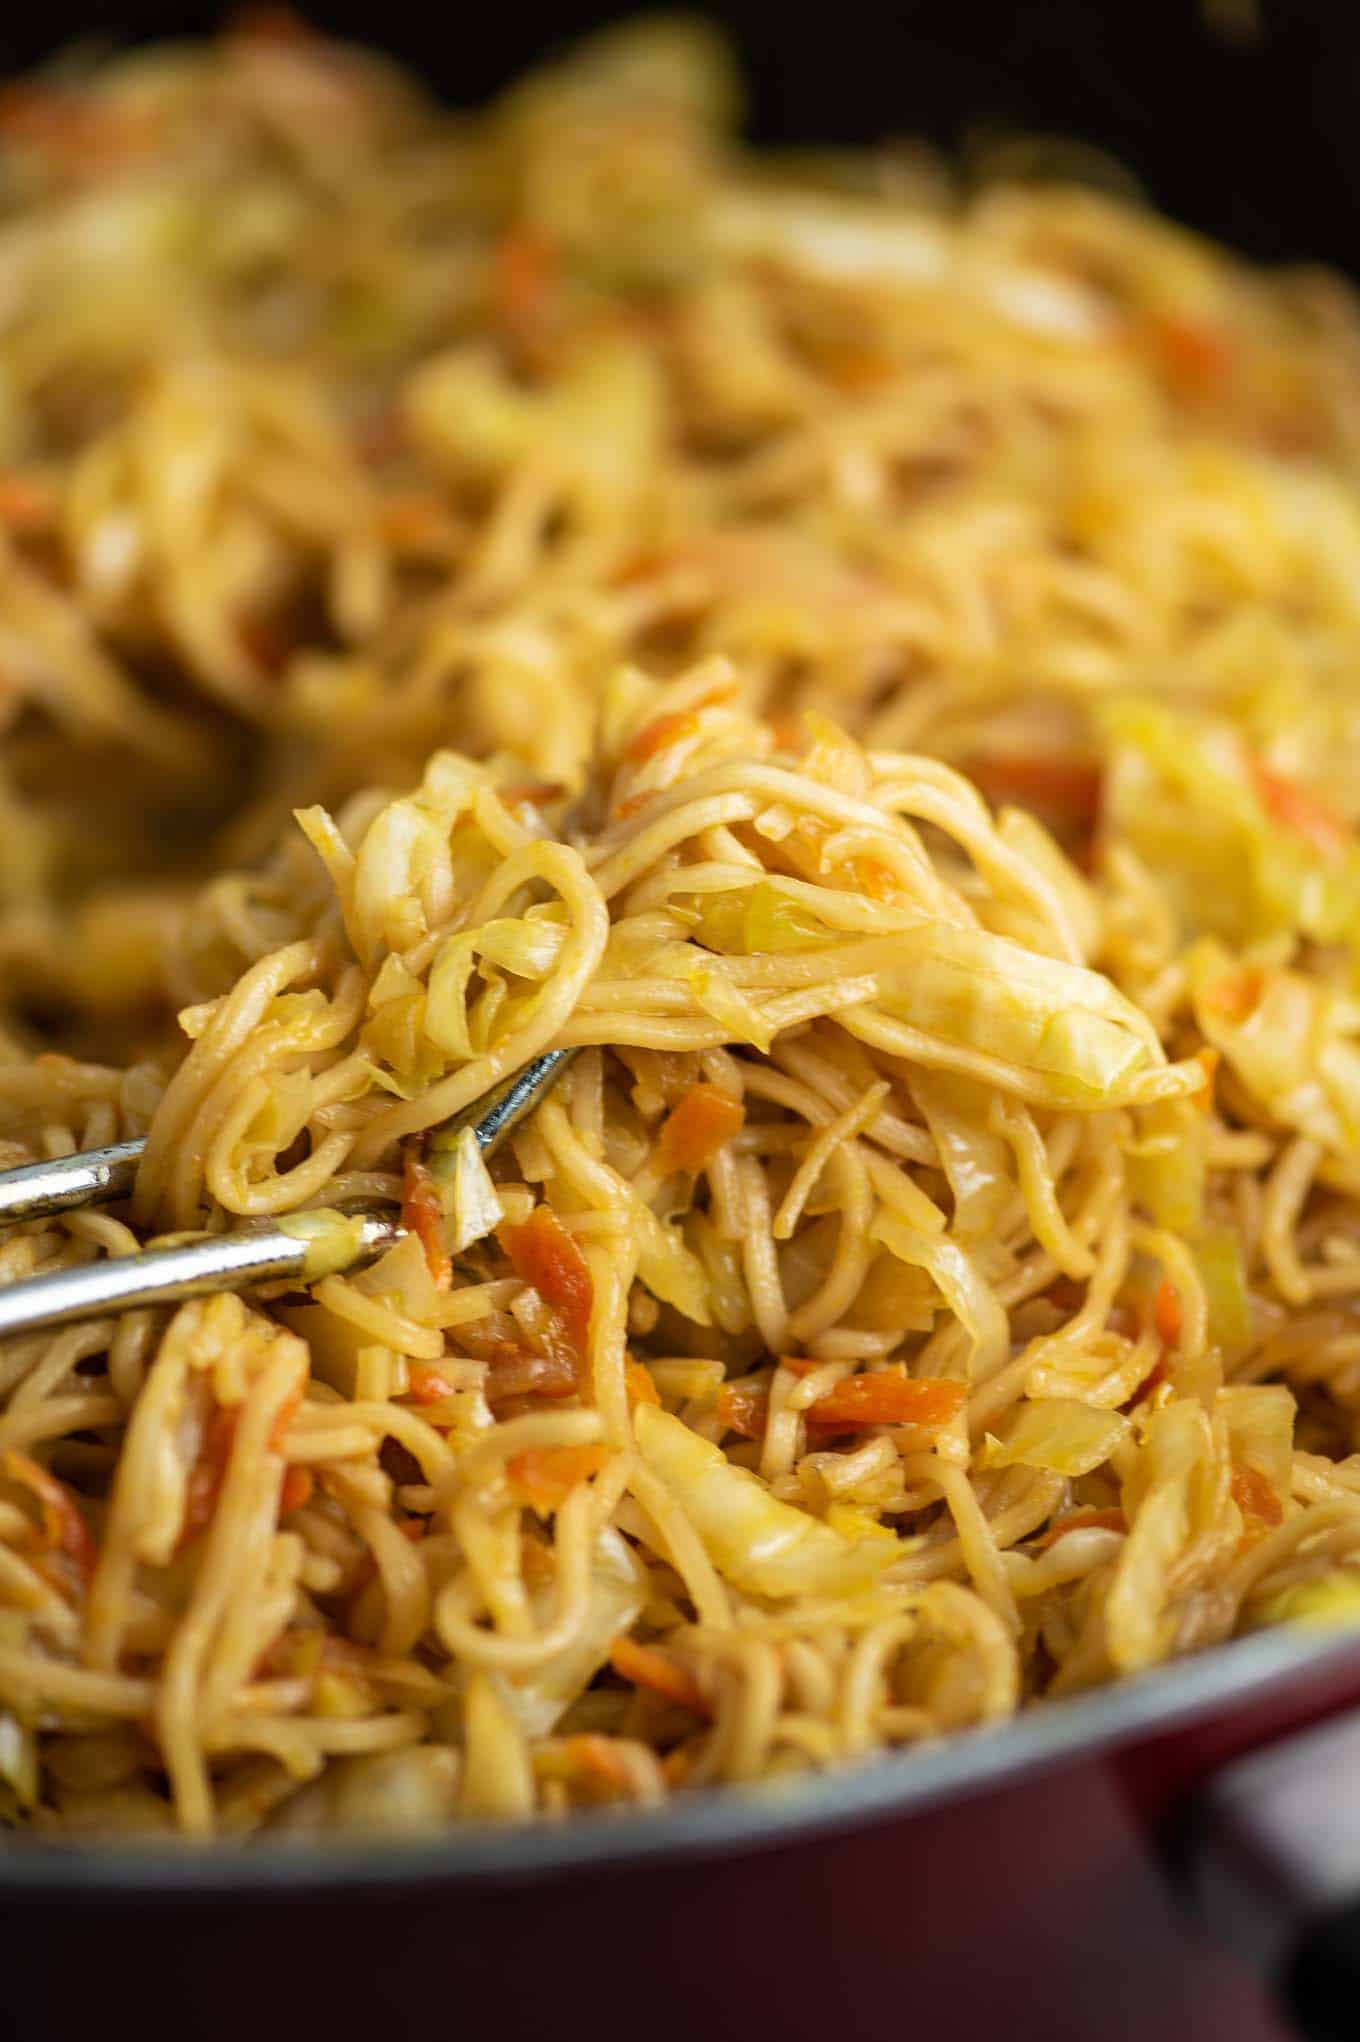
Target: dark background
x: 1255, y: 140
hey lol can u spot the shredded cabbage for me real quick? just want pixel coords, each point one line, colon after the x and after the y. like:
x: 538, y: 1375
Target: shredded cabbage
x: 1328, y: 1602
x: 1182, y: 793
x: 332, y: 1239
x: 761, y: 1545
x: 618, y: 1590
x: 1065, y: 1024
x: 960, y: 1283
x: 1291, y: 1039
x: 469, y: 1196
x: 1064, y: 1437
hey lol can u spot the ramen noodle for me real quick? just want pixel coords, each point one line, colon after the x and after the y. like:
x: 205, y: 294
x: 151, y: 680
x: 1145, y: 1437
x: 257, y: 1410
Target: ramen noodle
x: 867, y: 658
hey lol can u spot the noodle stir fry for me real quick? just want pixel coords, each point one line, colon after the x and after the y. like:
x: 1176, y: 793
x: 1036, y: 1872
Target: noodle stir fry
x: 871, y: 664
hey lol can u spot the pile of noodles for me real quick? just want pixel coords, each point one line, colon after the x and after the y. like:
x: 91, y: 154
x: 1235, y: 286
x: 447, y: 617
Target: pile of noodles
x: 871, y: 662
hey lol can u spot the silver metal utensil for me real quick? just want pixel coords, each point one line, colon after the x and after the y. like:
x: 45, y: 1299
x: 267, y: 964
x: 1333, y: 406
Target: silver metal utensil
x: 232, y: 1261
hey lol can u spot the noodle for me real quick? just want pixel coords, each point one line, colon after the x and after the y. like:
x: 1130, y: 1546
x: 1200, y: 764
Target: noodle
x: 875, y: 675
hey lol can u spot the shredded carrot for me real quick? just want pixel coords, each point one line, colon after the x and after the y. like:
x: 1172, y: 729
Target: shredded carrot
x: 544, y: 1254
x: 28, y: 503
x: 1299, y: 810
x: 1193, y: 357
x: 70, y: 127
x: 634, y: 804
x: 598, y: 1757
x: 427, y: 1386
x: 417, y: 523
x: 1085, y: 1520
x: 1237, y: 995
x: 283, y: 1418
x: 538, y: 793
x: 745, y: 1409
x: 641, y: 1388
x: 661, y: 731
x: 422, y: 1214
x: 1063, y: 786
x: 695, y: 1130
x: 1208, y: 1061
x: 1166, y: 1313
x: 888, y: 1400
x: 1254, y: 1496
x: 546, y: 1475
x: 207, y: 1474
x: 64, y: 1529
x: 298, y: 1484
x: 526, y: 282
x: 645, y: 1666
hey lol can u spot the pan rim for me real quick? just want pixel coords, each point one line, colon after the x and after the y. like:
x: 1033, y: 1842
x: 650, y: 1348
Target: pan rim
x: 725, y: 1821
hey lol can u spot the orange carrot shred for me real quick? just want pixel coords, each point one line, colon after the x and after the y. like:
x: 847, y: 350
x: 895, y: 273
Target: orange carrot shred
x: 646, y: 1666
x: 597, y: 1756
x: 695, y: 1130
x: 427, y: 1386
x: 283, y: 1418
x: 1166, y: 1313
x: 1254, y: 1496
x: 416, y: 523
x: 28, y: 503
x: 1069, y: 787
x: 634, y: 804
x: 297, y: 1487
x: 525, y: 283
x: 661, y: 731
x: 422, y: 1214
x: 1085, y: 1520
x: 70, y: 127
x: 1208, y: 1061
x: 1301, y: 811
x: 207, y: 1474
x: 888, y: 1400
x: 1236, y: 996
x: 743, y: 1408
x: 64, y: 1529
x: 546, y: 1475
x: 543, y: 1253
x: 641, y: 1388
x: 537, y: 793
x: 1192, y: 356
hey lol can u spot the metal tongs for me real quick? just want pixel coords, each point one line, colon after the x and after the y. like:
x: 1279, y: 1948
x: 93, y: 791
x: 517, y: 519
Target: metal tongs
x: 231, y: 1261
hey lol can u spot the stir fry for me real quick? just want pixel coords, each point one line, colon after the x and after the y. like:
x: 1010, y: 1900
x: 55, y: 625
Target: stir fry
x: 870, y: 660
